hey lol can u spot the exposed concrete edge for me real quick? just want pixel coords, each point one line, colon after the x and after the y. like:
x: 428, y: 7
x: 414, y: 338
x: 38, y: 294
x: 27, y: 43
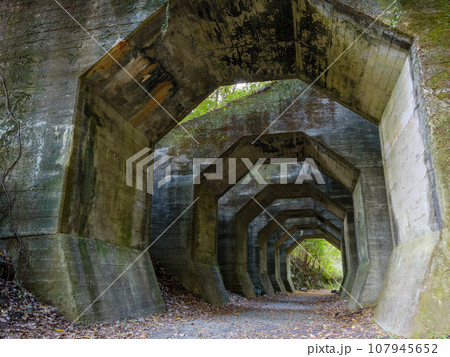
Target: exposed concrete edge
x: 212, y: 288
x: 398, y: 313
x: 347, y: 284
x: 358, y: 286
x: 26, y: 275
x: 291, y: 285
x: 72, y: 273
x: 246, y: 284
x: 267, y: 284
x: 280, y: 282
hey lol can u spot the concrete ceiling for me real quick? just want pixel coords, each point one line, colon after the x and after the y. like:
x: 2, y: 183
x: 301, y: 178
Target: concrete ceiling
x: 295, y: 145
x: 289, y: 234
x: 283, y: 216
x: 218, y: 42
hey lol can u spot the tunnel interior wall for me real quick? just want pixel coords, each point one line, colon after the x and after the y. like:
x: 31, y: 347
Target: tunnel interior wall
x: 43, y: 54
x: 414, y: 210
x: 44, y: 57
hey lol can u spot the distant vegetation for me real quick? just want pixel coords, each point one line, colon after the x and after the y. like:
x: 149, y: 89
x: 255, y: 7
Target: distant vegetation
x: 224, y: 95
x: 316, y: 264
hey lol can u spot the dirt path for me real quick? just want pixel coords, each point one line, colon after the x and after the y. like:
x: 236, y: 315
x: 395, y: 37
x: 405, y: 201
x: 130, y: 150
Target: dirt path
x: 313, y: 314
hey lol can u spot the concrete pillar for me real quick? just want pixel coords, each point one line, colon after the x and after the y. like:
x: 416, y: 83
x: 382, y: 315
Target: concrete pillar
x: 285, y: 266
x: 350, y: 252
x: 82, y: 225
x: 372, y: 233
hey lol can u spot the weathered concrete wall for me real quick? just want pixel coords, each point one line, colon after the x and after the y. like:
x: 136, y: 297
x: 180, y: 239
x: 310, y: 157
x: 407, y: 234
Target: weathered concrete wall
x: 207, y: 57
x: 414, y: 208
x: 428, y: 290
x: 72, y: 272
x: 43, y: 53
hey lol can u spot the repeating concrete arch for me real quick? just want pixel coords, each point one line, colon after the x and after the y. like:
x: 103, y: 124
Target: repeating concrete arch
x: 142, y: 88
x: 335, y: 241
x: 271, y: 227
x: 88, y: 213
x: 295, y: 145
x: 223, y: 44
x: 255, y: 207
x: 290, y: 248
x: 283, y: 216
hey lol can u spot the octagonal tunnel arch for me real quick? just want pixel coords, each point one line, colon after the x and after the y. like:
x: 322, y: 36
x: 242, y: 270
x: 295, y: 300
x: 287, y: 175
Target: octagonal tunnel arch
x: 226, y: 236
x: 286, y: 278
x: 295, y: 145
x: 335, y: 241
x: 172, y: 198
x: 274, y: 271
x: 119, y: 96
x: 255, y: 207
x: 112, y: 108
x: 270, y: 228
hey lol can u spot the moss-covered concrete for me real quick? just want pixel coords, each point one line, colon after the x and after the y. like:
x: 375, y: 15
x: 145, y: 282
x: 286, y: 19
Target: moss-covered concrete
x: 44, y: 54
x: 427, y: 22
x: 75, y: 274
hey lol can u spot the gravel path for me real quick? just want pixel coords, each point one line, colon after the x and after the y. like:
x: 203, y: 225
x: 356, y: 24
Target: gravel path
x: 314, y: 314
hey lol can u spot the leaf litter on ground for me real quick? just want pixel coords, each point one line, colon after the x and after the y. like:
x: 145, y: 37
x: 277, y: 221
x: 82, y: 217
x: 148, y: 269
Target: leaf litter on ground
x: 312, y: 314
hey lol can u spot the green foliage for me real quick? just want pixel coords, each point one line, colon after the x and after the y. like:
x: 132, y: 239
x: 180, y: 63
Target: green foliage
x: 224, y: 95
x: 435, y: 336
x: 395, y: 16
x: 316, y: 264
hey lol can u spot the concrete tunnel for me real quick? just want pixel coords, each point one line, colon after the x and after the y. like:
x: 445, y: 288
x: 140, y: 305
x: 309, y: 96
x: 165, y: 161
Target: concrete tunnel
x: 363, y: 123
